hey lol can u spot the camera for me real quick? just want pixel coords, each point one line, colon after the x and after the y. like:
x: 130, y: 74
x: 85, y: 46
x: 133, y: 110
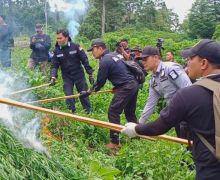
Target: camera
x: 118, y: 44
x: 160, y: 43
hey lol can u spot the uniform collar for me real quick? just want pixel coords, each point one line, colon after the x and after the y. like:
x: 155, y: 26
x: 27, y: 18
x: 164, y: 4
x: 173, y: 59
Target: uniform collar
x: 67, y: 45
x: 104, y: 53
x: 159, y: 68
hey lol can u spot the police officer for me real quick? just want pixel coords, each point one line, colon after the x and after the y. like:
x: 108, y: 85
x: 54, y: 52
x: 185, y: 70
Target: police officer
x: 6, y: 42
x: 70, y: 57
x: 166, y: 79
x: 40, y: 44
x: 125, y: 86
x: 135, y: 52
x: 135, y: 56
x: 193, y: 104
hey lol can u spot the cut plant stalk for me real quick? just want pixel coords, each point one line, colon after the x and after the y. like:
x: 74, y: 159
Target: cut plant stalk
x: 91, y: 121
x: 67, y: 97
x: 29, y: 89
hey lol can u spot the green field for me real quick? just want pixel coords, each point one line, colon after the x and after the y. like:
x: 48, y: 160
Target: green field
x: 79, y: 152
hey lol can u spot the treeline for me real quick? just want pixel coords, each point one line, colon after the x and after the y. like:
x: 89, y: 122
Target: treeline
x: 24, y: 14
x: 152, y: 14
x: 109, y: 16
x: 203, y: 19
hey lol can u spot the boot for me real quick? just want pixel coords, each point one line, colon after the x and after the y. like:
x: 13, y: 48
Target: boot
x: 112, y: 146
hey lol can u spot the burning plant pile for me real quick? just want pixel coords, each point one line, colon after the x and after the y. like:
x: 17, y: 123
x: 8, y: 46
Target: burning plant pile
x: 19, y: 135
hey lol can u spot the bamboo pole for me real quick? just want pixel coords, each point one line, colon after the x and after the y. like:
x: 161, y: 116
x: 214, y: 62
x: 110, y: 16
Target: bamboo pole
x: 91, y: 121
x: 94, y: 122
x: 66, y: 97
x: 29, y: 89
x: 173, y: 139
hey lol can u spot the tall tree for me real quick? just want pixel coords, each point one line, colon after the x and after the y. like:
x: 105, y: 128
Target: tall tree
x: 91, y: 25
x: 103, y: 16
x: 202, y: 19
x: 216, y: 8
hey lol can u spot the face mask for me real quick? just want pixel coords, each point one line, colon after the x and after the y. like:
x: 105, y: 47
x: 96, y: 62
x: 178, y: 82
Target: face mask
x: 64, y: 45
x: 38, y: 30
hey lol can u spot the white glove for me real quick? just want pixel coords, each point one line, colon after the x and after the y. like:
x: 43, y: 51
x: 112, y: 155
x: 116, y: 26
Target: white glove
x: 129, y: 129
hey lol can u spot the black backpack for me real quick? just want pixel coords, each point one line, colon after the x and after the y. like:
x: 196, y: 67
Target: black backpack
x: 136, y: 70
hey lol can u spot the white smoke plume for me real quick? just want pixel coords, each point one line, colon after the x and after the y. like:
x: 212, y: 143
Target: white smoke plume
x: 72, y: 9
x: 23, y: 124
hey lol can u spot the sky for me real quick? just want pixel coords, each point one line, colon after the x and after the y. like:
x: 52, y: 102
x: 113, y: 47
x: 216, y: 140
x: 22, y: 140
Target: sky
x: 181, y: 7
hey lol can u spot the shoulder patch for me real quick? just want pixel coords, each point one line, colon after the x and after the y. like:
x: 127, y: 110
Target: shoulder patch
x: 73, y: 52
x: 80, y: 48
x: 120, y: 56
x: 173, y: 75
x: 59, y: 55
x: 115, y: 59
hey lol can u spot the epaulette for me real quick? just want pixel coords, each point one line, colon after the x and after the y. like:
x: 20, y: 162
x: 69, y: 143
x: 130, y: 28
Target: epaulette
x: 115, y: 58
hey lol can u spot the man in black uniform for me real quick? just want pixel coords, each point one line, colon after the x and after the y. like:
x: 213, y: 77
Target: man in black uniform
x: 135, y: 53
x: 122, y: 48
x: 70, y: 57
x: 125, y: 86
x: 193, y: 104
x: 6, y: 42
x: 40, y: 44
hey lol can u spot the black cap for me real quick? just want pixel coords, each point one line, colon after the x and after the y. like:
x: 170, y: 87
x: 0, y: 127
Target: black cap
x: 206, y: 48
x: 38, y: 26
x: 149, y: 51
x: 136, y: 48
x: 96, y: 43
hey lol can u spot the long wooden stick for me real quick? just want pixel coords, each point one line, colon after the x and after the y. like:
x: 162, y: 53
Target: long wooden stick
x: 65, y: 97
x: 29, y: 89
x: 91, y: 121
x: 94, y: 122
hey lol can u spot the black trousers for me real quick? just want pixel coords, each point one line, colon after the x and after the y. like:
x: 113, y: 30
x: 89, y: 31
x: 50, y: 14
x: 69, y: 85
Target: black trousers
x: 81, y: 85
x: 208, y: 168
x: 5, y: 57
x: 183, y: 131
x: 125, y: 99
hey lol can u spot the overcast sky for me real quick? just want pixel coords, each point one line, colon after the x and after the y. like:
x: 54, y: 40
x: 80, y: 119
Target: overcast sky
x: 181, y: 7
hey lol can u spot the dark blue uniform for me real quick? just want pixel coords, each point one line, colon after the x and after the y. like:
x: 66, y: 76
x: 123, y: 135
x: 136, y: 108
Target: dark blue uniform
x: 40, y: 47
x: 126, y: 89
x: 5, y: 45
x: 70, y: 58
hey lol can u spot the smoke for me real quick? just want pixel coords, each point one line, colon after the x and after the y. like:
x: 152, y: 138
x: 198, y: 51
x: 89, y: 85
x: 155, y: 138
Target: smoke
x: 18, y: 120
x: 73, y: 10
